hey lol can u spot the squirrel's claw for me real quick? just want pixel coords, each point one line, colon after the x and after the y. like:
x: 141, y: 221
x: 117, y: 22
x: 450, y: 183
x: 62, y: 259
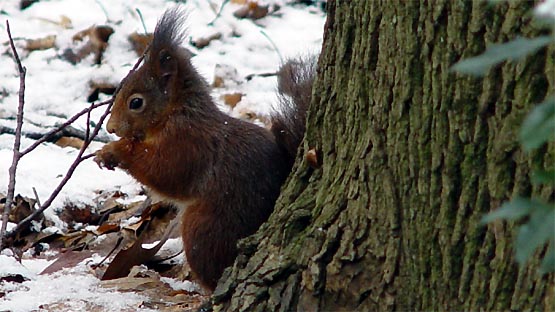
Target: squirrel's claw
x: 105, y: 160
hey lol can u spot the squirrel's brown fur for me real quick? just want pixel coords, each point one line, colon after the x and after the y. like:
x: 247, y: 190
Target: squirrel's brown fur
x: 175, y: 141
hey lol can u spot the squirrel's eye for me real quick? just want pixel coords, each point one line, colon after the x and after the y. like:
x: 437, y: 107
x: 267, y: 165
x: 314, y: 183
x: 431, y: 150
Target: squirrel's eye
x: 136, y: 103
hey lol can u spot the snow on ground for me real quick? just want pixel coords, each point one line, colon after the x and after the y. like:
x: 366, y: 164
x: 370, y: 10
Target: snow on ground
x: 77, y: 289
x: 56, y: 90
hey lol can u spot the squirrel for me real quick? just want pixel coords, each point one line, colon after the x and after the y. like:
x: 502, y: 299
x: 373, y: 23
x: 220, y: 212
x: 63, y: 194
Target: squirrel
x: 225, y: 172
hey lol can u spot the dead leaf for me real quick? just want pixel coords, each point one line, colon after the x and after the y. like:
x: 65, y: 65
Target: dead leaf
x: 22, y: 207
x: 160, y: 215
x: 135, y: 255
x: 225, y: 75
x: 23, y: 4
x: 97, y: 88
x: 40, y: 43
x: 70, y: 142
x: 130, y: 283
x: 247, y: 114
x: 67, y: 259
x: 124, y: 212
x: 64, y: 22
x: 107, y: 228
x: 140, y: 42
x: 231, y: 99
x: 252, y: 10
x: 205, y: 41
x: 13, y: 278
x: 218, y: 82
x: 134, y: 227
x: 78, y: 239
x: 72, y: 214
x: 160, y: 296
x: 97, y: 42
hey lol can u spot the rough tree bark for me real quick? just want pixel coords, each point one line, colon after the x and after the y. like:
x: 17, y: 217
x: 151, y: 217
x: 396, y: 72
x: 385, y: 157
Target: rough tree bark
x: 412, y: 156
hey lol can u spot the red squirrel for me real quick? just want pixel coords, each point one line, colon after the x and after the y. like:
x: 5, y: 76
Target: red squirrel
x: 225, y: 172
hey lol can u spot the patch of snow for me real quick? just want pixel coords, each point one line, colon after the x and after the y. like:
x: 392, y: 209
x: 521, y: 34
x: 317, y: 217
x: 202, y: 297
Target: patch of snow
x: 171, y: 246
x: 545, y: 8
x: 75, y: 287
x: 181, y: 285
x: 130, y: 221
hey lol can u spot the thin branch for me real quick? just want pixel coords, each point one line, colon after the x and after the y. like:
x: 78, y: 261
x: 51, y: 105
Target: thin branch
x: 272, y: 43
x: 88, y: 127
x: 142, y: 20
x: 120, y: 239
x: 52, y: 132
x: 17, y: 142
x: 68, y: 131
x: 219, y: 13
x: 78, y: 159
x: 37, y: 199
x: 103, y: 10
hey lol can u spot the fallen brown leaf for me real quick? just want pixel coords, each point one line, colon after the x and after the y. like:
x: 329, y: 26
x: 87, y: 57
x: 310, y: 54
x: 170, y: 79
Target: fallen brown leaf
x: 21, y: 208
x: 97, y: 42
x: 205, y: 41
x: 231, y: 99
x: 97, y: 88
x: 135, y: 255
x: 252, y: 10
x: 40, y: 43
x: 140, y: 42
x: 72, y: 214
x: 70, y: 142
x: 225, y: 75
x: 67, y: 259
x: 161, y: 297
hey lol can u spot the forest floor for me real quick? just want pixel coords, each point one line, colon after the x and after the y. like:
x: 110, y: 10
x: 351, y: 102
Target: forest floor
x: 102, y: 222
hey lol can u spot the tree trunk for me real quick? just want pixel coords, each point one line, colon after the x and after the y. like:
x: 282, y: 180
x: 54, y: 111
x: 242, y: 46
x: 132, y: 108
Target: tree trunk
x: 412, y: 156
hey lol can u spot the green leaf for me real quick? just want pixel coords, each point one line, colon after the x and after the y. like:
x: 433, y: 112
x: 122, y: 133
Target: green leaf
x: 543, y: 177
x: 515, y: 209
x: 548, y: 263
x: 539, y: 230
x: 497, y: 53
x: 539, y: 125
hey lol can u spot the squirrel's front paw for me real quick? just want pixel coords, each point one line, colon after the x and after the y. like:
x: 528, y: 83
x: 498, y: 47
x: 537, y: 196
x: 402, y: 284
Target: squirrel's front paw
x: 105, y: 158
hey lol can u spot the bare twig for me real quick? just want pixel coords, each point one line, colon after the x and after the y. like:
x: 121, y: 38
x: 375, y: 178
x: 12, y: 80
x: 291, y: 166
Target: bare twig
x: 17, y: 142
x: 142, y: 20
x: 272, y: 43
x: 78, y: 160
x: 37, y: 199
x: 103, y: 10
x: 88, y: 127
x: 120, y: 239
x: 52, y: 132
x: 219, y: 13
x: 89, y: 137
x: 68, y: 131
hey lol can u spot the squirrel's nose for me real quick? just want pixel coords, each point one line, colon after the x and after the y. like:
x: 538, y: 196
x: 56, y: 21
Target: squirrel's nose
x: 111, y: 126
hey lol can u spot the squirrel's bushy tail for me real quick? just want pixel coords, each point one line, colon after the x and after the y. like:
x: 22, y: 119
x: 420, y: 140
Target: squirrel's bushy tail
x: 295, y: 79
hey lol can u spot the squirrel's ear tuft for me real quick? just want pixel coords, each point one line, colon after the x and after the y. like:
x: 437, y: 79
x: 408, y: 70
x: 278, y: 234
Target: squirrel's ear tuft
x: 169, y: 31
x: 168, y: 36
